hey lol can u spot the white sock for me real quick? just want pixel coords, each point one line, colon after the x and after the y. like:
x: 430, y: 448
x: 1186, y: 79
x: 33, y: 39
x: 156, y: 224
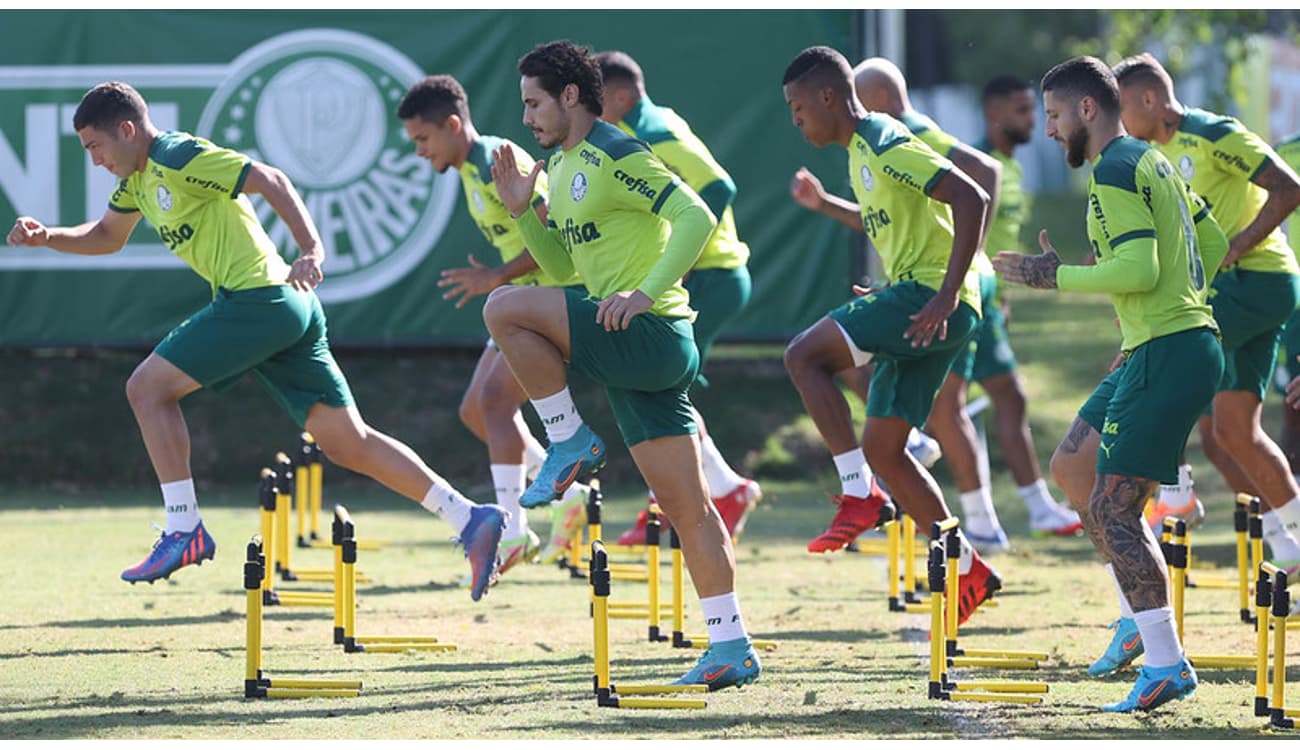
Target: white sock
x: 559, y: 415
x: 1178, y: 496
x: 574, y: 489
x: 181, y: 506
x: 967, y: 557
x: 508, y: 479
x: 1159, y: 637
x: 978, y: 514
x: 1281, y: 528
x: 722, y: 617
x: 721, y: 478
x: 534, y: 453
x: 1038, y: 499
x: 443, y: 500
x: 1124, y: 609
x: 855, y: 475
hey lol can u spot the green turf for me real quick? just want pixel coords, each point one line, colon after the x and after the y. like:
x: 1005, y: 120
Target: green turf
x: 87, y: 656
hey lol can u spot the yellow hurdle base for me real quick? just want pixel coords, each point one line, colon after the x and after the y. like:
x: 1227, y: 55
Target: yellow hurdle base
x: 701, y: 642
x: 997, y: 654
x: 398, y: 648
x: 299, y: 693
x: 1027, y: 700
x: 276, y: 682
x: 683, y: 703
x: 990, y: 663
x: 396, y: 639
x: 658, y: 689
x: 1222, y: 661
x: 1000, y: 687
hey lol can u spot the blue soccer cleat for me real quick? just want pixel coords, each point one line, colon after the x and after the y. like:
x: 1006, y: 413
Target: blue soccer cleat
x: 580, y: 455
x: 725, y: 664
x: 171, y: 553
x: 481, y: 539
x: 1124, y: 647
x: 1157, y: 686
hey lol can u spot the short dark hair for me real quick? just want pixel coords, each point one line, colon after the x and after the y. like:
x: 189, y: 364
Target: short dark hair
x: 619, y: 67
x: 1084, y: 76
x: 1003, y: 85
x: 560, y: 63
x: 821, y: 66
x: 434, y: 99
x: 1143, y: 70
x: 108, y: 105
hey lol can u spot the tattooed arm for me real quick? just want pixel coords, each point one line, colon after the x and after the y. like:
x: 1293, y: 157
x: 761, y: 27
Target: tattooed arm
x: 1037, y: 271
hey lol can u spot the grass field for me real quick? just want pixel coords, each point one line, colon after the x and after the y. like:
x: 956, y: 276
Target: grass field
x: 86, y: 656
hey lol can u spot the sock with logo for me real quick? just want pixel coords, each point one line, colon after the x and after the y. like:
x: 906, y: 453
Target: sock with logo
x: 508, y: 479
x: 1159, y: 638
x: 722, y: 617
x: 559, y: 414
x: 442, y: 499
x: 855, y: 475
x: 1281, y: 531
x: 181, y: 506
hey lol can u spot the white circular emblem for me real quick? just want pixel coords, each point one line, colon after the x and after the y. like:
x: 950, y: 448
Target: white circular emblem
x: 868, y: 181
x: 316, y: 103
x: 478, y: 202
x: 1185, y: 167
x: 578, y: 188
x: 164, y: 198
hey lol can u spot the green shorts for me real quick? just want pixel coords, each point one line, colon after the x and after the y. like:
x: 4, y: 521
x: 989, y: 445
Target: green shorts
x: 1291, y: 344
x: 275, y: 331
x: 645, y: 369
x: 717, y: 295
x: 1251, y: 307
x: 989, y: 352
x: 905, y: 379
x: 1146, y: 408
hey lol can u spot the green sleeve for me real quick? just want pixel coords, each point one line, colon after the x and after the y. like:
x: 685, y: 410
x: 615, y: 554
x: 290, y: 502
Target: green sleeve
x: 1134, y: 267
x: 691, y: 161
x: 1210, y: 240
x: 544, y: 246
x: 214, y: 172
x: 691, y: 225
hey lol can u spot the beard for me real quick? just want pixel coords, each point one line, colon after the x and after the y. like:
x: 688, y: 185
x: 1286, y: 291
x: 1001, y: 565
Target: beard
x: 1076, y: 148
x: 1018, y: 137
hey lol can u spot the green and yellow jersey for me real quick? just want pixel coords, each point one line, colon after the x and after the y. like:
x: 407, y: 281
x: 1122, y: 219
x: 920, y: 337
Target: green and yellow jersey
x: 1157, y: 246
x: 671, y: 139
x: 1218, y: 157
x: 936, y: 138
x: 892, y: 173
x: 621, y: 219
x: 1013, y: 204
x: 191, y: 191
x: 490, y: 213
x: 1289, y: 150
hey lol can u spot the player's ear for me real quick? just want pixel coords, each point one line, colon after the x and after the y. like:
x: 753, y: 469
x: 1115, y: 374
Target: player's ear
x: 453, y: 123
x: 569, y: 96
x: 127, y: 130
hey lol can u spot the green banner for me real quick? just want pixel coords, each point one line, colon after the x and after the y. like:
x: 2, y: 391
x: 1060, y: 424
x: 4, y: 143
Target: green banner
x: 314, y: 94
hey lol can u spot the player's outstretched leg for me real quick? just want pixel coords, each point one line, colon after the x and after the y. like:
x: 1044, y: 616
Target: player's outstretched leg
x: 349, y: 442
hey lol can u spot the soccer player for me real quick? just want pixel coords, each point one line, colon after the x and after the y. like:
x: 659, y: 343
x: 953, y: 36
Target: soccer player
x: 1289, y: 151
x: 1157, y: 250
x: 925, y: 218
x: 718, y: 283
x: 1250, y: 191
x: 435, y: 114
x: 631, y: 230
x: 264, y: 318
x: 882, y: 88
x: 1008, y: 104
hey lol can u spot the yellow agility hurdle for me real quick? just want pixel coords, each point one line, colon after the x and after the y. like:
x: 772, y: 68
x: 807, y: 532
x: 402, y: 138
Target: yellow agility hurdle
x: 256, y: 683
x: 309, y: 472
x: 345, y: 604
x: 1273, y: 605
x: 609, y: 695
x: 680, y: 638
x: 1249, y: 537
x: 578, y: 568
x: 269, y: 502
x: 1177, y: 557
x: 945, y: 551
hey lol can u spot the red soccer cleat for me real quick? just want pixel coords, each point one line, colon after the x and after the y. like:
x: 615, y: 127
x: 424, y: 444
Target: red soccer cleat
x: 734, y: 507
x: 975, y: 588
x: 856, y: 515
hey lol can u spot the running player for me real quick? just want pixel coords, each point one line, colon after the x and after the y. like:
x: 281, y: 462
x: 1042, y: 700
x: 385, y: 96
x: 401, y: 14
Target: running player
x: 435, y: 114
x: 264, y: 317
x: 925, y: 218
x: 718, y: 283
x: 882, y: 88
x: 1250, y: 192
x: 1157, y: 250
x: 631, y: 230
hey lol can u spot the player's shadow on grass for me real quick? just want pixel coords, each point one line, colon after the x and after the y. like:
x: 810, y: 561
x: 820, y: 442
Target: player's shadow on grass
x: 157, y: 622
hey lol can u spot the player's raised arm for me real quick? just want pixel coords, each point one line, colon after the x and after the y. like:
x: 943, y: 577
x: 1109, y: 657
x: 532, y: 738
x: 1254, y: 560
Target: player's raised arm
x: 275, y: 187
x: 103, y: 237
x: 808, y: 192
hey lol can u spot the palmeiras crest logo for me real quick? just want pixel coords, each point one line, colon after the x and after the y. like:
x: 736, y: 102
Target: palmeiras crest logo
x: 164, y: 198
x: 868, y: 180
x: 318, y: 104
x: 578, y: 189
x: 1186, y: 168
